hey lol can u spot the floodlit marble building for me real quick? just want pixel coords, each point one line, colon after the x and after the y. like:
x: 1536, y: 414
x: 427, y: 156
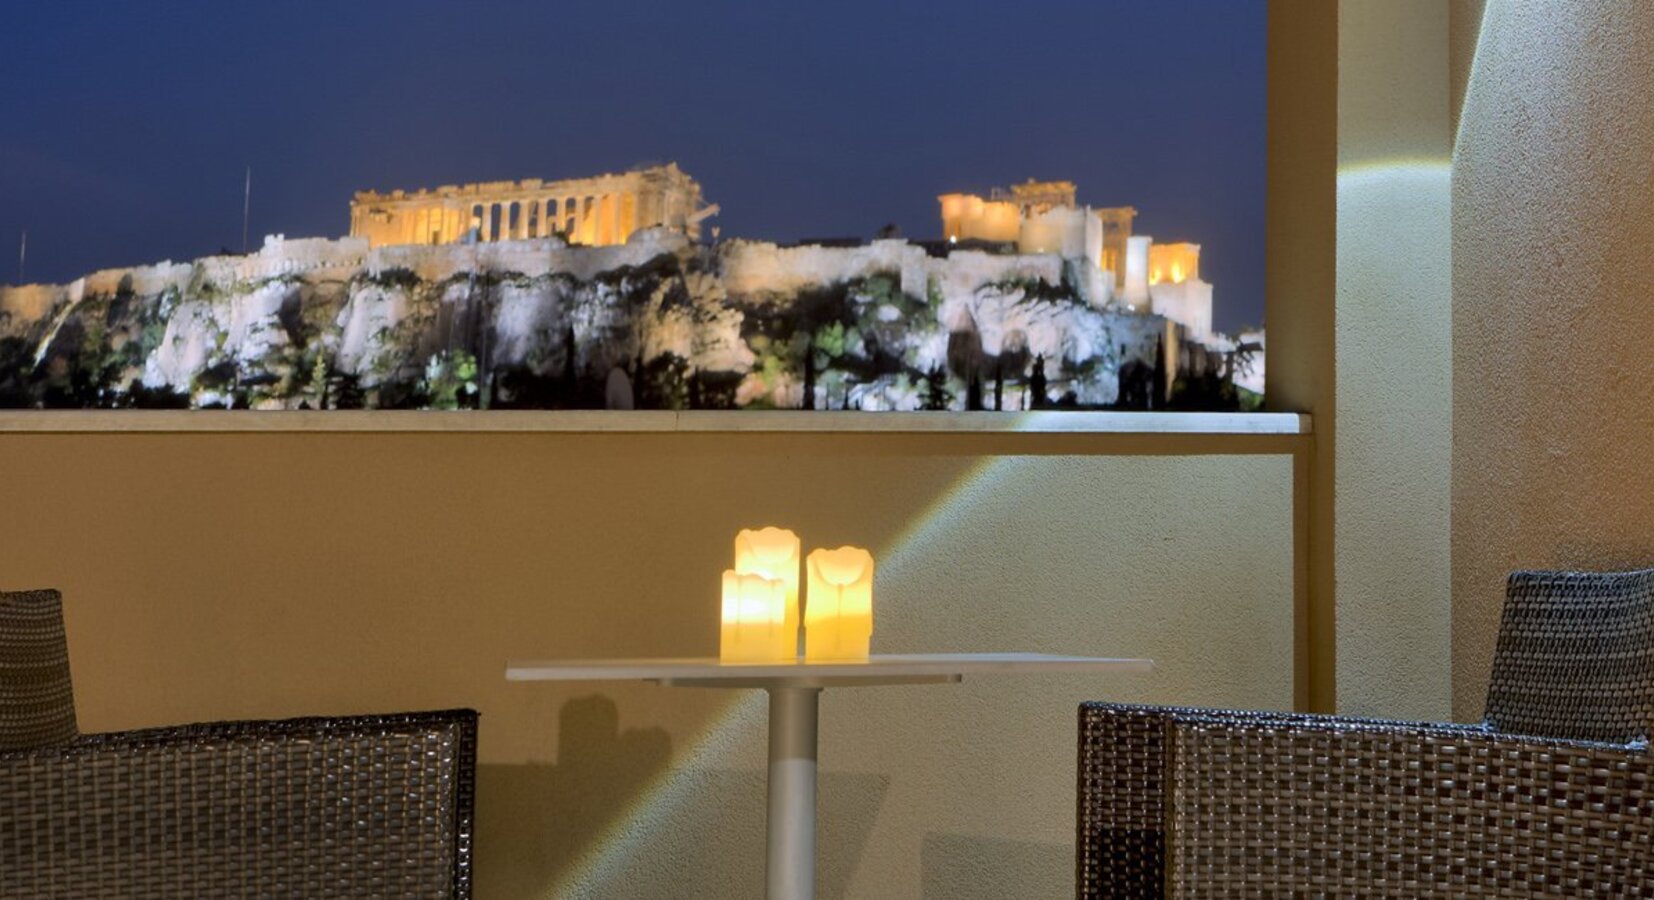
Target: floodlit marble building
x: 599, y: 211
x: 1044, y: 217
x: 1176, y: 290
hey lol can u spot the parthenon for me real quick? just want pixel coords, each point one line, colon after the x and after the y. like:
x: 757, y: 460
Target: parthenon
x: 598, y: 211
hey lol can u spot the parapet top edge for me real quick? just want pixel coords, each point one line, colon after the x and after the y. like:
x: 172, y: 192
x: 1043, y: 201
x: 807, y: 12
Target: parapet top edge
x: 655, y: 421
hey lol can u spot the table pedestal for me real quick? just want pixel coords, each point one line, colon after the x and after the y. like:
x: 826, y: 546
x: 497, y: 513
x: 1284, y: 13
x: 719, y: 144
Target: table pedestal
x: 794, y: 688
x: 790, y: 871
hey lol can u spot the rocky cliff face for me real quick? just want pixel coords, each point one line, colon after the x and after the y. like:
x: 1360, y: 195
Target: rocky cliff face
x: 657, y: 323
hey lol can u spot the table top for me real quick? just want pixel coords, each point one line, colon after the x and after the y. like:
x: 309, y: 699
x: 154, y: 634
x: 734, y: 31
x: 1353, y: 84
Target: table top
x: 918, y: 668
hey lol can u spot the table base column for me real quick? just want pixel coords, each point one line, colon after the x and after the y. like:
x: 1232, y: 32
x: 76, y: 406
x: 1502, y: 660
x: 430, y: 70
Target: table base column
x: 791, y: 870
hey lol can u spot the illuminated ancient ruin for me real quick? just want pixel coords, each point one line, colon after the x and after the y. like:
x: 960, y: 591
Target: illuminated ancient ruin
x: 599, y: 292
x: 1040, y: 217
x: 597, y: 212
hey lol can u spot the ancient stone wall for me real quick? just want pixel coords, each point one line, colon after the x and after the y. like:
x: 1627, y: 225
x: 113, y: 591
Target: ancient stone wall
x: 755, y: 267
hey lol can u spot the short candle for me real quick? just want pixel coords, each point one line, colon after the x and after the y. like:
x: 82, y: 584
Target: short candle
x: 773, y: 553
x: 838, y: 606
x: 754, y: 620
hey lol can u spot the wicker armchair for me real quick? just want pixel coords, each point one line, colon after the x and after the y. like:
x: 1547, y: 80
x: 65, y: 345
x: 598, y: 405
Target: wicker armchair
x: 1552, y: 795
x: 366, y: 806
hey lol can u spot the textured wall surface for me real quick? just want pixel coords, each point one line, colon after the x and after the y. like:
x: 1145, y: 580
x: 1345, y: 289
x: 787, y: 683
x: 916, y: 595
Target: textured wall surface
x: 1301, y: 278
x: 1394, y: 368
x: 1553, y: 385
x: 1359, y: 312
x: 225, y: 576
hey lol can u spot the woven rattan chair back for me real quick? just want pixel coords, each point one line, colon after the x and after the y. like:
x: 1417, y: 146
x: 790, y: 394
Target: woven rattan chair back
x: 1575, y: 657
x: 37, y: 704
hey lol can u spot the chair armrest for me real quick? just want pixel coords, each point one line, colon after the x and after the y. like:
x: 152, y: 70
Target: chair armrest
x: 315, y: 807
x: 1120, y: 847
x: 1208, y: 802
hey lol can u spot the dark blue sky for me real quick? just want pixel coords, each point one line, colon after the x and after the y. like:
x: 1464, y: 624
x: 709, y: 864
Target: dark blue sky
x: 125, y: 126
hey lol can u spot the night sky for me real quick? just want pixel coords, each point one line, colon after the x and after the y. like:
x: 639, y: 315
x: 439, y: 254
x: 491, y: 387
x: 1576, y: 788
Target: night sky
x: 125, y: 127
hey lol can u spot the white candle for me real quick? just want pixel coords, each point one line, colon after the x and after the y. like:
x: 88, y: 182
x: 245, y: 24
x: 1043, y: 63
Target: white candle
x: 754, y: 620
x: 773, y: 553
x: 838, y: 607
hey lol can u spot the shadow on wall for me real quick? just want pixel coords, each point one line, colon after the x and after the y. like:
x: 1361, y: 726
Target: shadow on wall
x: 542, y: 817
x: 549, y: 821
x: 961, y: 867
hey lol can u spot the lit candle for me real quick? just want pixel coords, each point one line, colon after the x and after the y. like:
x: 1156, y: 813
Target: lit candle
x: 773, y: 553
x: 838, y: 607
x: 754, y: 620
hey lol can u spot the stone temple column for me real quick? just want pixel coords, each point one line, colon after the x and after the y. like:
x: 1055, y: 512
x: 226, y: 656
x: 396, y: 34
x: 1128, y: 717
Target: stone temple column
x: 626, y: 214
x: 648, y: 207
x: 487, y: 222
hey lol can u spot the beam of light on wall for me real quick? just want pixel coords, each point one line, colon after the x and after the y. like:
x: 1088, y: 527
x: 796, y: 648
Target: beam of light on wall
x: 631, y: 831
x: 973, y: 487
x: 1391, y: 167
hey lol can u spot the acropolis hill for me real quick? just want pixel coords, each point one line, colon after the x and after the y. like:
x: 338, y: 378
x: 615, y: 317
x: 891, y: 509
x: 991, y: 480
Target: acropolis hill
x: 601, y: 291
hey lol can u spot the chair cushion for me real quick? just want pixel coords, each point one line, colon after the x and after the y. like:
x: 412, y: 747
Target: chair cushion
x: 1575, y: 657
x: 37, y: 703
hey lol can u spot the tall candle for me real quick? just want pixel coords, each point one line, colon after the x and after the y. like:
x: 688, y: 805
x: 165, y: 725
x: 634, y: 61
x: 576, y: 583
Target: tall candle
x: 773, y: 553
x: 754, y: 620
x: 838, y: 606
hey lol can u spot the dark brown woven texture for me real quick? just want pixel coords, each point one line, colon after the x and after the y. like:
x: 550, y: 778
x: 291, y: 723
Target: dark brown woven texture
x: 366, y: 806
x: 1266, y: 804
x: 1575, y: 657
x: 37, y: 704
x: 1122, y: 802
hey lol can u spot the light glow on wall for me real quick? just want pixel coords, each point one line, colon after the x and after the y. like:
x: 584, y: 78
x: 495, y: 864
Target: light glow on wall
x: 612, y: 854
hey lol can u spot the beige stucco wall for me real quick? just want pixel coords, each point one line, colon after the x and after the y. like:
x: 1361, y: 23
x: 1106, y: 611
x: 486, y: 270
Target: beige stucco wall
x: 1358, y: 316
x: 221, y: 576
x: 1553, y: 388
x: 1393, y: 393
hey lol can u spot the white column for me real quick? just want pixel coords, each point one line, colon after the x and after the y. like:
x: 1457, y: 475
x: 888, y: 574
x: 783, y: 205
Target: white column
x: 790, y: 870
x: 1137, y: 272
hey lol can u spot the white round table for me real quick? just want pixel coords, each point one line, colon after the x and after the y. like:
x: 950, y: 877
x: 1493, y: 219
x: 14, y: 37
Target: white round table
x: 794, y: 690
